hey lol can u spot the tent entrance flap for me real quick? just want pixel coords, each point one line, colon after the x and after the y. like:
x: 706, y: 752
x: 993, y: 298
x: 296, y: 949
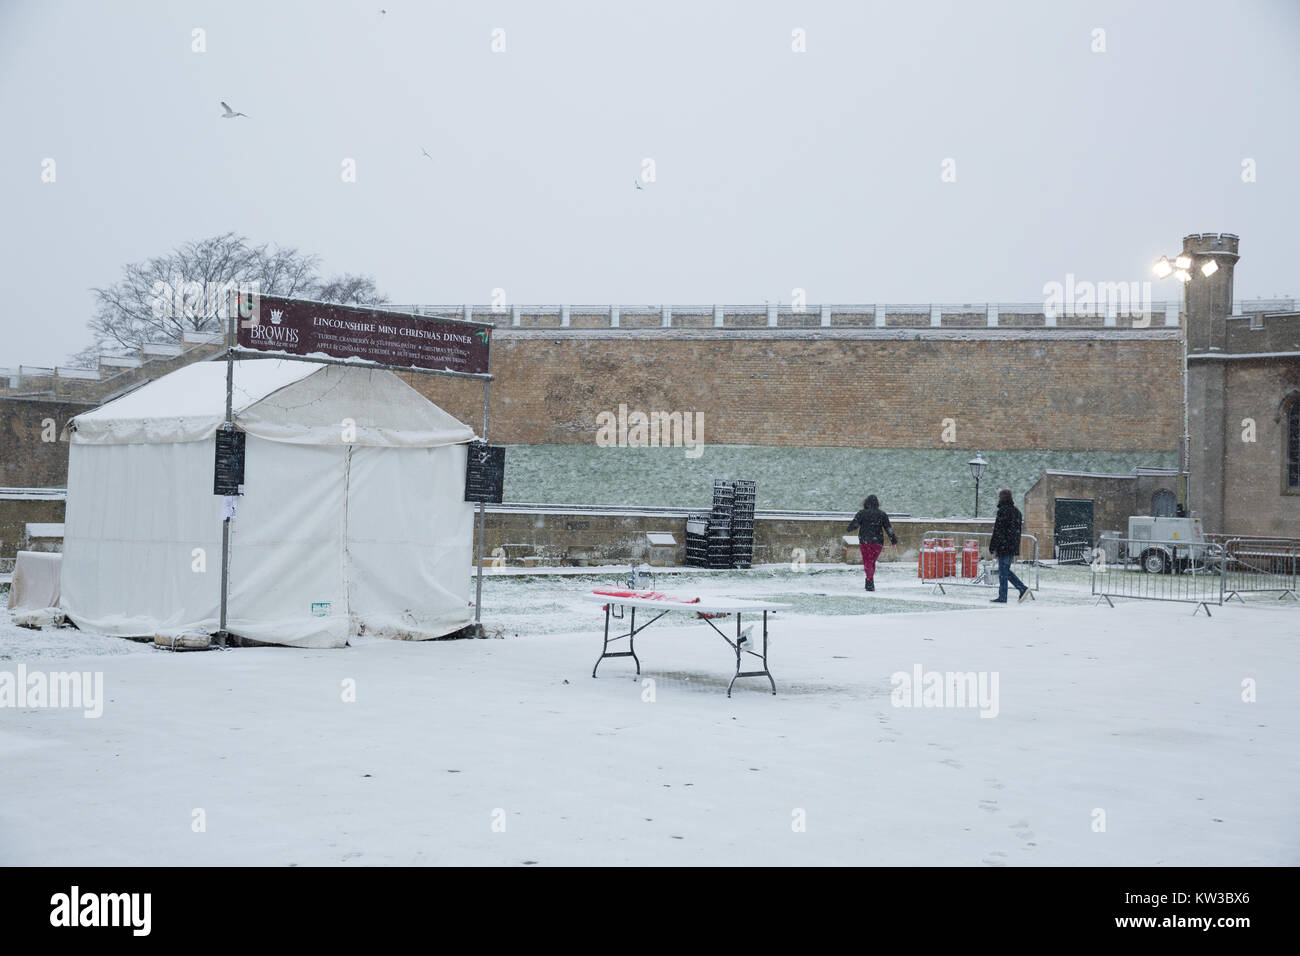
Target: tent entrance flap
x: 406, y: 551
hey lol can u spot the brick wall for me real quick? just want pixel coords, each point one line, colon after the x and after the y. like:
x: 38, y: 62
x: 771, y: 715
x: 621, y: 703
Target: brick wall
x: 862, y: 388
x: 561, y: 539
x: 1106, y: 393
x: 27, y: 459
x: 1238, y: 485
x: 1114, y: 501
x: 15, y: 514
x: 1255, y: 500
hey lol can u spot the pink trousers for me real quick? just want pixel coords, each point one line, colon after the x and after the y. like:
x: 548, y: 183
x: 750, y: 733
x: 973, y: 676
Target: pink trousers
x: 870, y: 551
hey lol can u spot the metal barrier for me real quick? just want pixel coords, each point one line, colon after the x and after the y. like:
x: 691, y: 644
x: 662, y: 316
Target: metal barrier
x: 1145, y: 570
x: 1223, y: 537
x: 1071, y: 544
x: 962, y: 557
x: 1257, y: 565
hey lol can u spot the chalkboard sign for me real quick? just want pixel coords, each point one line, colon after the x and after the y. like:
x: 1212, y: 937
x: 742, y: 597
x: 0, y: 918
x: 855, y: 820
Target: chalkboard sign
x: 485, y: 472
x: 228, y: 477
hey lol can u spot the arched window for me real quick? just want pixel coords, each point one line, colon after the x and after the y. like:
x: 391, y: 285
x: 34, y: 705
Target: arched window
x: 1293, y: 446
x: 1164, y: 504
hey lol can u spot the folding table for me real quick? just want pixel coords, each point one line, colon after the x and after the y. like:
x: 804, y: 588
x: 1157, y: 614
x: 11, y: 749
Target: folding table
x: 704, y: 607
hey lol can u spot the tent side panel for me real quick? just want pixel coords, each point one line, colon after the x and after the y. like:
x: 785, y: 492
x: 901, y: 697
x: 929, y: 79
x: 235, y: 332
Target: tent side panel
x: 286, y: 567
x: 410, y: 541
x: 142, y: 539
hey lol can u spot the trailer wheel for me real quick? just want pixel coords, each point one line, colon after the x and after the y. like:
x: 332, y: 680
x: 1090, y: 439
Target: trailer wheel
x: 1154, y: 561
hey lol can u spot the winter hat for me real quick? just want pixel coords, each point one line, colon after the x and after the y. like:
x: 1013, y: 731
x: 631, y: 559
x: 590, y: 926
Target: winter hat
x: 1004, y: 496
x: 871, y: 502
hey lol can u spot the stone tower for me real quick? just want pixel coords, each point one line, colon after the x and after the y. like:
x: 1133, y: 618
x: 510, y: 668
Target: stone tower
x: 1209, y: 298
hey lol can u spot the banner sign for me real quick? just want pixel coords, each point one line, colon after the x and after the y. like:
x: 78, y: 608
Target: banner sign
x: 228, y: 475
x: 297, y: 327
x: 485, y: 472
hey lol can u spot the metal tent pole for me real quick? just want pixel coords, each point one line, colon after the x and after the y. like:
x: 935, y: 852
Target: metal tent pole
x: 1185, y: 321
x: 228, y: 426
x: 482, y: 507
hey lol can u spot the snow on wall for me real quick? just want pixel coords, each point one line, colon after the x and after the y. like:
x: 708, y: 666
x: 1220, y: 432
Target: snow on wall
x: 928, y: 482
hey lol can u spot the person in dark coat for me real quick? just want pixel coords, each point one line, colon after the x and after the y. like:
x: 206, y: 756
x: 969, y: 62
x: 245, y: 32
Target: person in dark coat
x: 1005, y: 545
x: 872, y: 524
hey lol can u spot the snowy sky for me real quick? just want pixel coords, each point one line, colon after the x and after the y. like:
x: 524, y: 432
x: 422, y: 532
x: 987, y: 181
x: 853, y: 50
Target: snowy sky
x: 775, y: 170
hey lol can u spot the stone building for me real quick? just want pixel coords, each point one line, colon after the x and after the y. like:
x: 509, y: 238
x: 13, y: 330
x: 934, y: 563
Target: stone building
x: 1010, y: 377
x: 1242, y: 446
x: 1243, y: 400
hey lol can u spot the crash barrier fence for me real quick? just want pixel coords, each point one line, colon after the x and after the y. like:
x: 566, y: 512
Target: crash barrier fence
x: 1260, y: 565
x: 962, y: 557
x: 1146, y: 570
x: 1249, y: 565
x: 1219, y: 537
x: 1072, y: 544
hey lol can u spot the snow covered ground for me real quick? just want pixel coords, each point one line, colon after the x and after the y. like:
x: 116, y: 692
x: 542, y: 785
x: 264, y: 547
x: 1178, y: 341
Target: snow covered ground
x: 508, y: 752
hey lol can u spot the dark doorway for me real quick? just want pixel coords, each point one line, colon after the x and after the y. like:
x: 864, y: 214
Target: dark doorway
x: 1072, y: 530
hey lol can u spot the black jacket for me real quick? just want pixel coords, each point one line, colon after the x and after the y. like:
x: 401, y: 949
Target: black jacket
x: 871, y: 524
x: 1006, y: 531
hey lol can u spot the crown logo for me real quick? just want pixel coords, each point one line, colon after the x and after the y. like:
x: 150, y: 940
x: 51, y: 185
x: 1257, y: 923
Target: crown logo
x: 276, y: 315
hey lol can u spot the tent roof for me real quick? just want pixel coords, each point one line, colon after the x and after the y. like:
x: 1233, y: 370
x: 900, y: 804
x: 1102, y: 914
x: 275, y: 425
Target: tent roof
x: 296, y: 402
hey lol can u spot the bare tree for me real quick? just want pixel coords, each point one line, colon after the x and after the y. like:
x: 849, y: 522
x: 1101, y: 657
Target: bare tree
x: 349, y: 289
x: 286, y: 272
x: 186, y: 290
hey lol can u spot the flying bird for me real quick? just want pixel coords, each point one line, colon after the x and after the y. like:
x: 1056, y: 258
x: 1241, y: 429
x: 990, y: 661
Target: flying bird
x: 229, y: 113
x: 637, y: 183
x: 425, y: 152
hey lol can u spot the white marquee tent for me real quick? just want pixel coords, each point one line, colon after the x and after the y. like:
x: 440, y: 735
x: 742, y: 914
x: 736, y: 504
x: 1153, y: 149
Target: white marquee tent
x: 352, y: 518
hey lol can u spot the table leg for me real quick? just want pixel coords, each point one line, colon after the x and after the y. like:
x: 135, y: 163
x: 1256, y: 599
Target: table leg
x: 631, y: 639
x: 764, y: 672
x: 631, y: 643
x: 606, y: 645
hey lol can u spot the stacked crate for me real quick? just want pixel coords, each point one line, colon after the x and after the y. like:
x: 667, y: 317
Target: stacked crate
x: 720, y: 524
x: 742, y: 524
x: 724, y: 537
x: 697, y: 539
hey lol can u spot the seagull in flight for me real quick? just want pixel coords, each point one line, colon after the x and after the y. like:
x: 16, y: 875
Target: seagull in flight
x: 229, y: 113
x: 637, y: 183
x: 425, y: 152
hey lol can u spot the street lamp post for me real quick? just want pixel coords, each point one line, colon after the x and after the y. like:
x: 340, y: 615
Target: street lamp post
x: 977, y: 466
x: 1181, y: 269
